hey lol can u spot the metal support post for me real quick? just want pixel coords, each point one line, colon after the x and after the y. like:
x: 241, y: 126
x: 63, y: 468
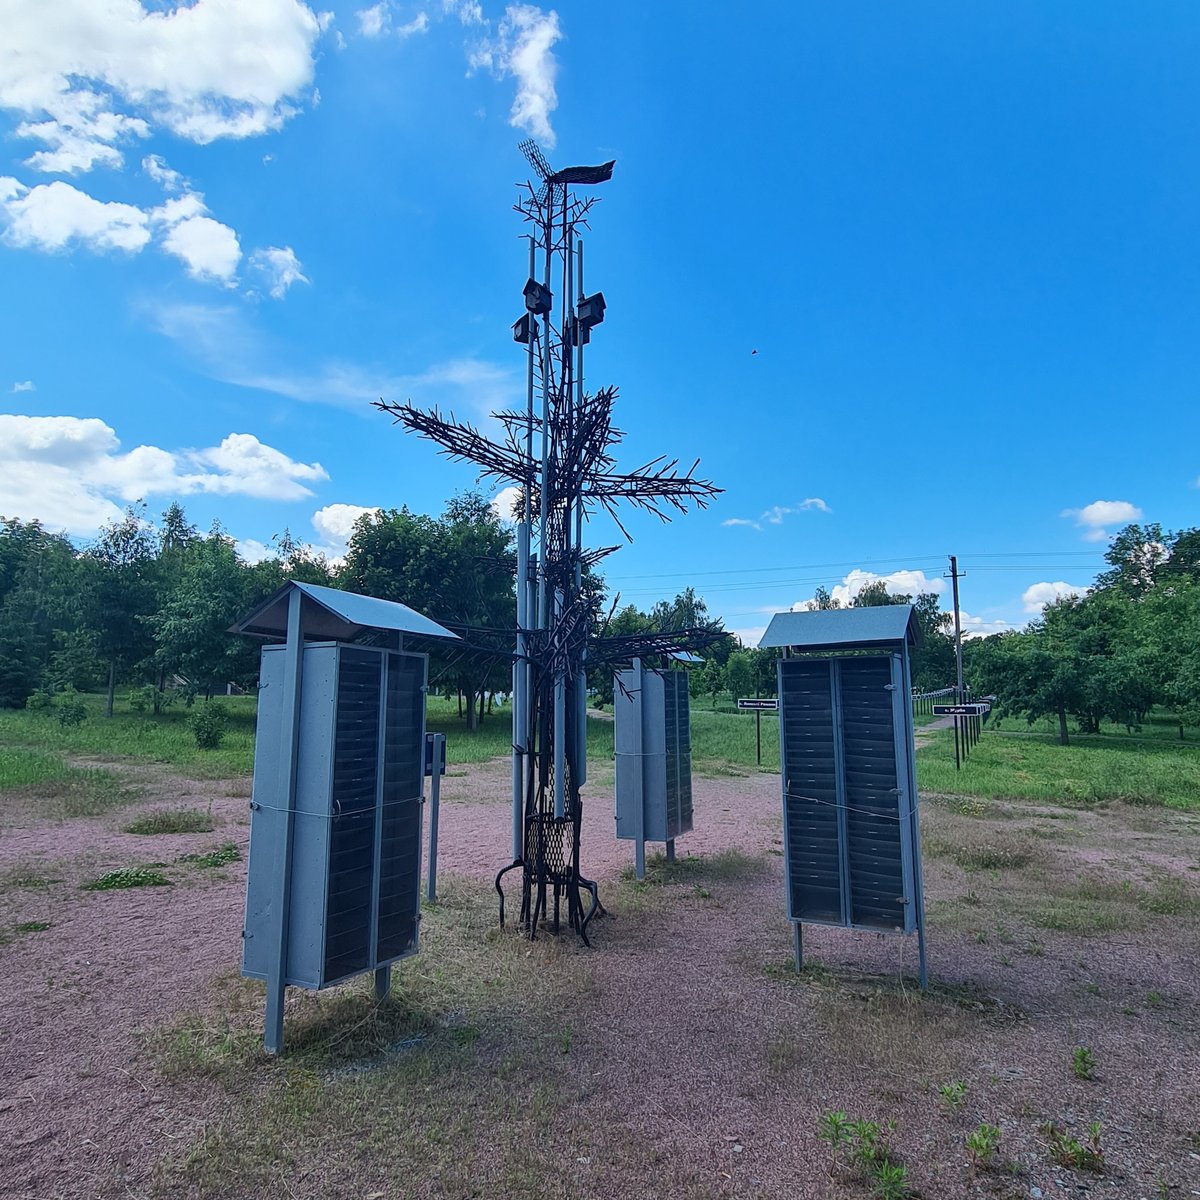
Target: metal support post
x: 671, y: 850
x: 639, y: 845
x: 290, y: 748
x: 798, y: 945
x: 435, y: 799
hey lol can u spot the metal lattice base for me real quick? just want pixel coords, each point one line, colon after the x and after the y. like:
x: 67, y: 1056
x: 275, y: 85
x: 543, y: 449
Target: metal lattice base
x: 549, y: 872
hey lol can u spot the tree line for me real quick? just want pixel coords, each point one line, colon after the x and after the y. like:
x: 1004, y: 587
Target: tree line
x: 147, y: 605
x: 1129, y: 644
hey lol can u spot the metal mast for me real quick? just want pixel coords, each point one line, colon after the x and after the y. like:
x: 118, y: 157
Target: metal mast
x: 558, y: 451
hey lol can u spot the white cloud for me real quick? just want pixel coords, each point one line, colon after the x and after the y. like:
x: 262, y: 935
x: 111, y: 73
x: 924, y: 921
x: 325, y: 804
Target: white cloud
x: 503, y: 502
x: 979, y: 627
x: 55, y: 215
x: 898, y: 583
x: 1035, y: 597
x: 251, y: 551
x: 373, y: 22
x: 419, y: 24
x: 335, y: 524
x: 25, y: 385
x: 156, y: 167
x: 524, y: 49
x: 1095, y: 518
x: 209, y: 249
x: 69, y: 471
x: 281, y: 267
x: 91, y: 74
x: 776, y: 514
x: 469, y: 12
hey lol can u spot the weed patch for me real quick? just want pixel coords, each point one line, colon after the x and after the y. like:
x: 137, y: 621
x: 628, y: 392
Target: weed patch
x: 173, y: 820
x: 127, y: 877
x: 219, y: 856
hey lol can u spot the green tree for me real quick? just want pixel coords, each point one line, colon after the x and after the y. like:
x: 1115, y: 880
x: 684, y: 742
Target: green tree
x: 739, y: 674
x: 457, y: 569
x: 122, y: 594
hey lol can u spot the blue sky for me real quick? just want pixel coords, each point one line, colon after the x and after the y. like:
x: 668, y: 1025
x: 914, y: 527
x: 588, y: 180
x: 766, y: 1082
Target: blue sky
x: 961, y: 239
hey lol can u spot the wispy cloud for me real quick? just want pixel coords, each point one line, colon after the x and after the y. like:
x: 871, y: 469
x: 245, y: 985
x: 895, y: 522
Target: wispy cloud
x: 25, y: 385
x: 227, y: 347
x: 776, y: 514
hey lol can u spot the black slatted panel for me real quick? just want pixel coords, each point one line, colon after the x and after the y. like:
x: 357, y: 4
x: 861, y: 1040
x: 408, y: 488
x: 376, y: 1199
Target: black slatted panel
x: 352, y: 825
x: 873, y: 831
x: 811, y: 801
x: 404, y: 756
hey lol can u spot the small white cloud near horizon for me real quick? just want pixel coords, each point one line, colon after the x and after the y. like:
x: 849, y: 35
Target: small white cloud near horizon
x: 523, y: 48
x: 750, y: 637
x: 734, y: 522
x: 504, y: 500
x: 980, y: 627
x: 24, y: 385
x: 898, y: 583
x: 69, y: 472
x: 1035, y: 597
x: 335, y: 524
x: 1096, y: 518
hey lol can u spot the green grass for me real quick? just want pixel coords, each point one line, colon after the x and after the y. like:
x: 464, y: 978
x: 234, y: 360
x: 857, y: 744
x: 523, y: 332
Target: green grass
x: 1092, y: 769
x: 173, y: 820
x: 56, y: 789
x: 724, y: 743
x: 144, y: 737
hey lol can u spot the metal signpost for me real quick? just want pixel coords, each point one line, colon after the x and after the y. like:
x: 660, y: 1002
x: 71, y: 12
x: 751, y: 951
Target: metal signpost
x: 757, y: 705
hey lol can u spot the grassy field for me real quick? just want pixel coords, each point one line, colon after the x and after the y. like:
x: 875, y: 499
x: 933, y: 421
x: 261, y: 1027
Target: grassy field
x: 142, y: 737
x: 1154, y: 769
x: 60, y: 790
x: 1149, y: 766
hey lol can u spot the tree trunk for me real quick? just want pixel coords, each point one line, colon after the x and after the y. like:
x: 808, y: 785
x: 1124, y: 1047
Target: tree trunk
x: 112, y: 686
x: 491, y: 697
x: 481, y: 698
x: 460, y: 704
x: 472, y: 715
x: 1062, y: 726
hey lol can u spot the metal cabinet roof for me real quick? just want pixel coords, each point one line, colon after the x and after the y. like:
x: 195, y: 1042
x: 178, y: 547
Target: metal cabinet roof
x: 883, y: 626
x: 333, y: 613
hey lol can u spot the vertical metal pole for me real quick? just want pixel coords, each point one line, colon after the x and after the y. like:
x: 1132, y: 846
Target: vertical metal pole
x: 435, y: 800
x: 289, y: 749
x: 383, y: 975
x: 639, y: 845
x: 957, y: 758
x: 957, y: 629
x: 560, y: 728
x: 798, y: 945
x: 671, y: 850
x: 581, y: 682
x: 758, y: 736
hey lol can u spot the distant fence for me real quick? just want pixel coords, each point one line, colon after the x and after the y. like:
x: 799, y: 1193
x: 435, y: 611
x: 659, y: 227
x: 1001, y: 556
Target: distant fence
x: 923, y: 702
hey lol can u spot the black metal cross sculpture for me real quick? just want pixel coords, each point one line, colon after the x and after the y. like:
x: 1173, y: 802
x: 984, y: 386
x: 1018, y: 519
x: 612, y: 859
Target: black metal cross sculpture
x: 558, y: 453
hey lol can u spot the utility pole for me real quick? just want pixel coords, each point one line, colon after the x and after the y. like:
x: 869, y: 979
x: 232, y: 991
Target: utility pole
x: 955, y: 575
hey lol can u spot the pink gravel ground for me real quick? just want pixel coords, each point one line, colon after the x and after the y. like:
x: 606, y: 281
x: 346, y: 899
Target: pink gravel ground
x: 80, y: 1108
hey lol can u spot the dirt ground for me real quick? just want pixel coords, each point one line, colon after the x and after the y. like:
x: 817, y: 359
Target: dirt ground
x: 1050, y: 929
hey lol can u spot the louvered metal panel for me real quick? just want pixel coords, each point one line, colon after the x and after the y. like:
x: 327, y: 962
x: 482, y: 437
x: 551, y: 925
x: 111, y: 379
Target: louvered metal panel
x: 850, y: 826
x: 653, y: 755
x: 356, y: 841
